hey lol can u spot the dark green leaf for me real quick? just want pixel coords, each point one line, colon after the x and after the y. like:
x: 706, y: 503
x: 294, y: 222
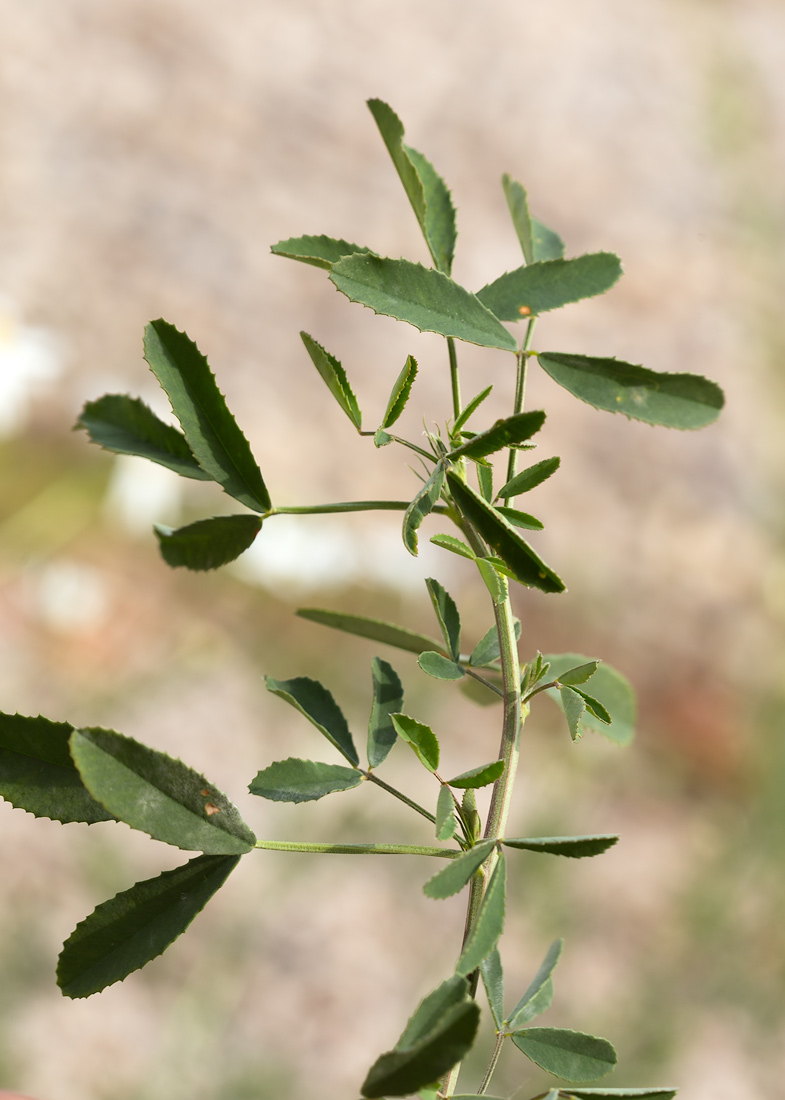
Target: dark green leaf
x: 422, y: 505
x: 157, y: 794
x: 493, y: 980
x: 504, y: 433
x: 623, y: 1094
x: 472, y: 407
x: 529, y: 478
x: 400, y: 392
x: 317, y: 704
x: 453, y: 991
x: 295, y: 780
x: 376, y: 629
x: 387, y: 699
x: 440, y: 667
x: 211, y: 431
x: 610, y: 688
x: 319, y: 251
x: 548, y: 245
x: 422, y: 297
x: 539, y: 994
x: 490, y: 921
x: 487, y: 649
x: 447, y: 615
x: 478, y: 777
x: 528, y: 568
x: 520, y: 519
x: 685, y: 401
x: 335, y: 378
x: 595, y: 707
x: 570, y: 1055
x: 128, y: 931
x: 518, y: 205
x: 446, y: 822
x: 575, y: 846
x: 208, y: 543
x: 452, y: 878
x: 578, y: 675
x: 126, y: 426
x: 37, y: 773
x: 454, y: 545
x: 573, y: 706
x: 550, y: 284
x: 421, y: 738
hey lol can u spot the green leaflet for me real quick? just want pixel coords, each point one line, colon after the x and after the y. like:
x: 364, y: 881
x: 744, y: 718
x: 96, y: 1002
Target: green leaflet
x: 485, y: 479
x: 530, y: 478
x: 37, y: 773
x: 539, y: 993
x: 684, y: 401
x: 424, y: 187
x: 493, y: 980
x: 334, y: 377
x: 319, y: 251
x: 126, y: 426
x: 573, y: 705
x: 490, y: 921
x: 520, y: 519
x: 594, y: 707
x: 454, y: 545
x: 314, y: 701
x: 577, y: 847
x: 421, y: 738
x: 157, y: 794
x: 623, y: 1094
x: 472, y: 407
x: 610, y: 688
x: 452, y: 879
x: 504, y: 433
x: 400, y: 392
x: 550, y: 284
x: 295, y: 780
x: 548, y: 245
x: 571, y: 1055
x: 446, y: 821
x: 451, y: 992
x: 211, y: 431
x: 375, y: 629
x: 478, y: 777
x: 518, y: 205
x: 422, y: 297
x: 447, y: 616
x: 579, y: 675
x: 487, y: 649
x: 208, y: 543
x: 128, y: 931
x: 499, y: 534
x: 387, y: 699
x: 440, y: 667
x: 422, y: 505
x: 492, y: 579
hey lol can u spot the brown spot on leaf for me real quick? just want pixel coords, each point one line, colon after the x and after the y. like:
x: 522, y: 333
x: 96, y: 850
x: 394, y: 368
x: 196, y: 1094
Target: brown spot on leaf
x: 211, y: 809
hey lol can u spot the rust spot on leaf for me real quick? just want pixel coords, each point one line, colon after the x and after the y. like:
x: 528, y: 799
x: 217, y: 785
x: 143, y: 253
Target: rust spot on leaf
x: 211, y: 809
x: 524, y: 311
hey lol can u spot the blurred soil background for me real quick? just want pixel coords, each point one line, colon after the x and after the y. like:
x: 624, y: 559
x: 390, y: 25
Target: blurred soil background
x: 149, y: 155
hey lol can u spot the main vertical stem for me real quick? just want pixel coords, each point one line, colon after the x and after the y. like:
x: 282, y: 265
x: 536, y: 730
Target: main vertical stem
x: 455, y: 381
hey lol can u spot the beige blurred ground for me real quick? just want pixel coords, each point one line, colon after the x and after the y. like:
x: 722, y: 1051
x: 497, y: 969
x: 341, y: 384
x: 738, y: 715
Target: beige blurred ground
x: 149, y: 155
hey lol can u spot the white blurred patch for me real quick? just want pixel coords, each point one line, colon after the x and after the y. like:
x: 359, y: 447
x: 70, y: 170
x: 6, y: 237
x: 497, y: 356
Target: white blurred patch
x: 69, y: 596
x: 141, y: 493
x: 30, y: 360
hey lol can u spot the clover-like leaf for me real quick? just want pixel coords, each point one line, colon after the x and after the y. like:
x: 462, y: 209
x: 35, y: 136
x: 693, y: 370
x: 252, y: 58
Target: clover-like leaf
x: 539, y: 994
x: 421, y: 738
x: 478, y: 777
x: 400, y: 392
x: 295, y: 780
x: 440, y: 667
x: 458, y: 872
x: 446, y: 821
x: 610, y: 688
x: 571, y: 1055
x: 577, y: 847
x: 318, y: 251
x: 422, y: 505
x: 207, y: 543
x: 530, y: 478
x: 387, y: 700
x: 334, y: 377
x: 504, y: 433
x: 375, y: 629
x: 489, y: 923
x: 493, y: 980
x: 314, y: 701
x: 538, y: 287
x: 447, y: 615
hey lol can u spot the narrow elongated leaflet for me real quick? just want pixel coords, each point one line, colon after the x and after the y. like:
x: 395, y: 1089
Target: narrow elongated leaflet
x: 487, y: 649
x: 594, y: 707
x: 432, y: 1008
x: 489, y: 923
x: 421, y: 738
x: 685, y: 401
x: 319, y: 251
x: 571, y: 1055
x: 400, y: 392
x: 376, y: 629
x: 493, y: 980
x: 546, y: 242
x: 504, y: 433
x: 539, y: 994
x: 317, y: 704
x: 37, y: 773
x: 613, y: 690
x: 520, y: 519
x: 478, y: 777
x: 295, y: 780
x: 440, y: 667
x: 623, y: 1094
x: 454, y: 545
x: 452, y: 879
x: 126, y: 426
x: 128, y: 931
x: 471, y: 408
x: 527, y: 567
x: 575, y: 846
x: 573, y: 705
x: 387, y: 700
x: 422, y: 505
x: 485, y: 478
x: 518, y: 205
x: 530, y: 478
x: 446, y: 822
x: 422, y: 297
x: 211, y: 431
x: 578, y: 675
x: 447, y: 615
x: 157, y: 794
x: 208, y: 543
x: 550, y: 284
x: 334, y: 377
x: 423, y: 185
x: 492, y: 579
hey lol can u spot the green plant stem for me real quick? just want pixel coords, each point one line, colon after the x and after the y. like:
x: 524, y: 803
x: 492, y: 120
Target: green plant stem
x: 481, y: 680
x: 520, y: 396
x: 455, y: 381
x: 492, y: 1064
x: 399, y: 795
x: 345, y: 506
x: 357, y: 849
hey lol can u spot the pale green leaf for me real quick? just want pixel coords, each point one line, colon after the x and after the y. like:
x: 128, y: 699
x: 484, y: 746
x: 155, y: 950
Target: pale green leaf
x: 550, y: 284
x: 547, y: 243
x: 334, y: 377
x: 453, y: 991
x: 295, y: 780
x: 314, y: 701
x: 375, y: 629
x: 614, y: 691
x: 400, y: 392
x: 518, y: 205
x: 421, y: 738
x: 487, y: 649
x: 440, y: 667
x: 573, y: 705
x: 319, y: 251
x: 446, y: 821
x: 208, y: 543
x: 594, y: 707
x: 478, y: 777
x: 387, y: 699
x: 458, y: 872
x: 539, y: 993
x: 571, y: 1055
x: 493, y: 980
x: 489, y: 923
x: 454, y: 545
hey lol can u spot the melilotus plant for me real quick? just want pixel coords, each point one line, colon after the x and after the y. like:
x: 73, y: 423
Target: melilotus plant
x: 470, y: 479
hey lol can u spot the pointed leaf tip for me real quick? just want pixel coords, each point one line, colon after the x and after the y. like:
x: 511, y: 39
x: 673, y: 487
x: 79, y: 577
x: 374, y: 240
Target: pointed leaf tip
x: 334, y: 377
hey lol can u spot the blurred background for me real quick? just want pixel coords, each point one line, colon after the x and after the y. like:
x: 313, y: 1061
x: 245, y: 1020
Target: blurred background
x: 150, y: 153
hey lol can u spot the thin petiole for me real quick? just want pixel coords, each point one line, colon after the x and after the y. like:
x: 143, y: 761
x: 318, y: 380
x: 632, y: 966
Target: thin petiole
x: 400, y: 796
x: 344, y: 506
x: 357, y: 849
x: 454, y: 378
x: 520, y: 391
x: 482, y: 680
x: 492, y: 1064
